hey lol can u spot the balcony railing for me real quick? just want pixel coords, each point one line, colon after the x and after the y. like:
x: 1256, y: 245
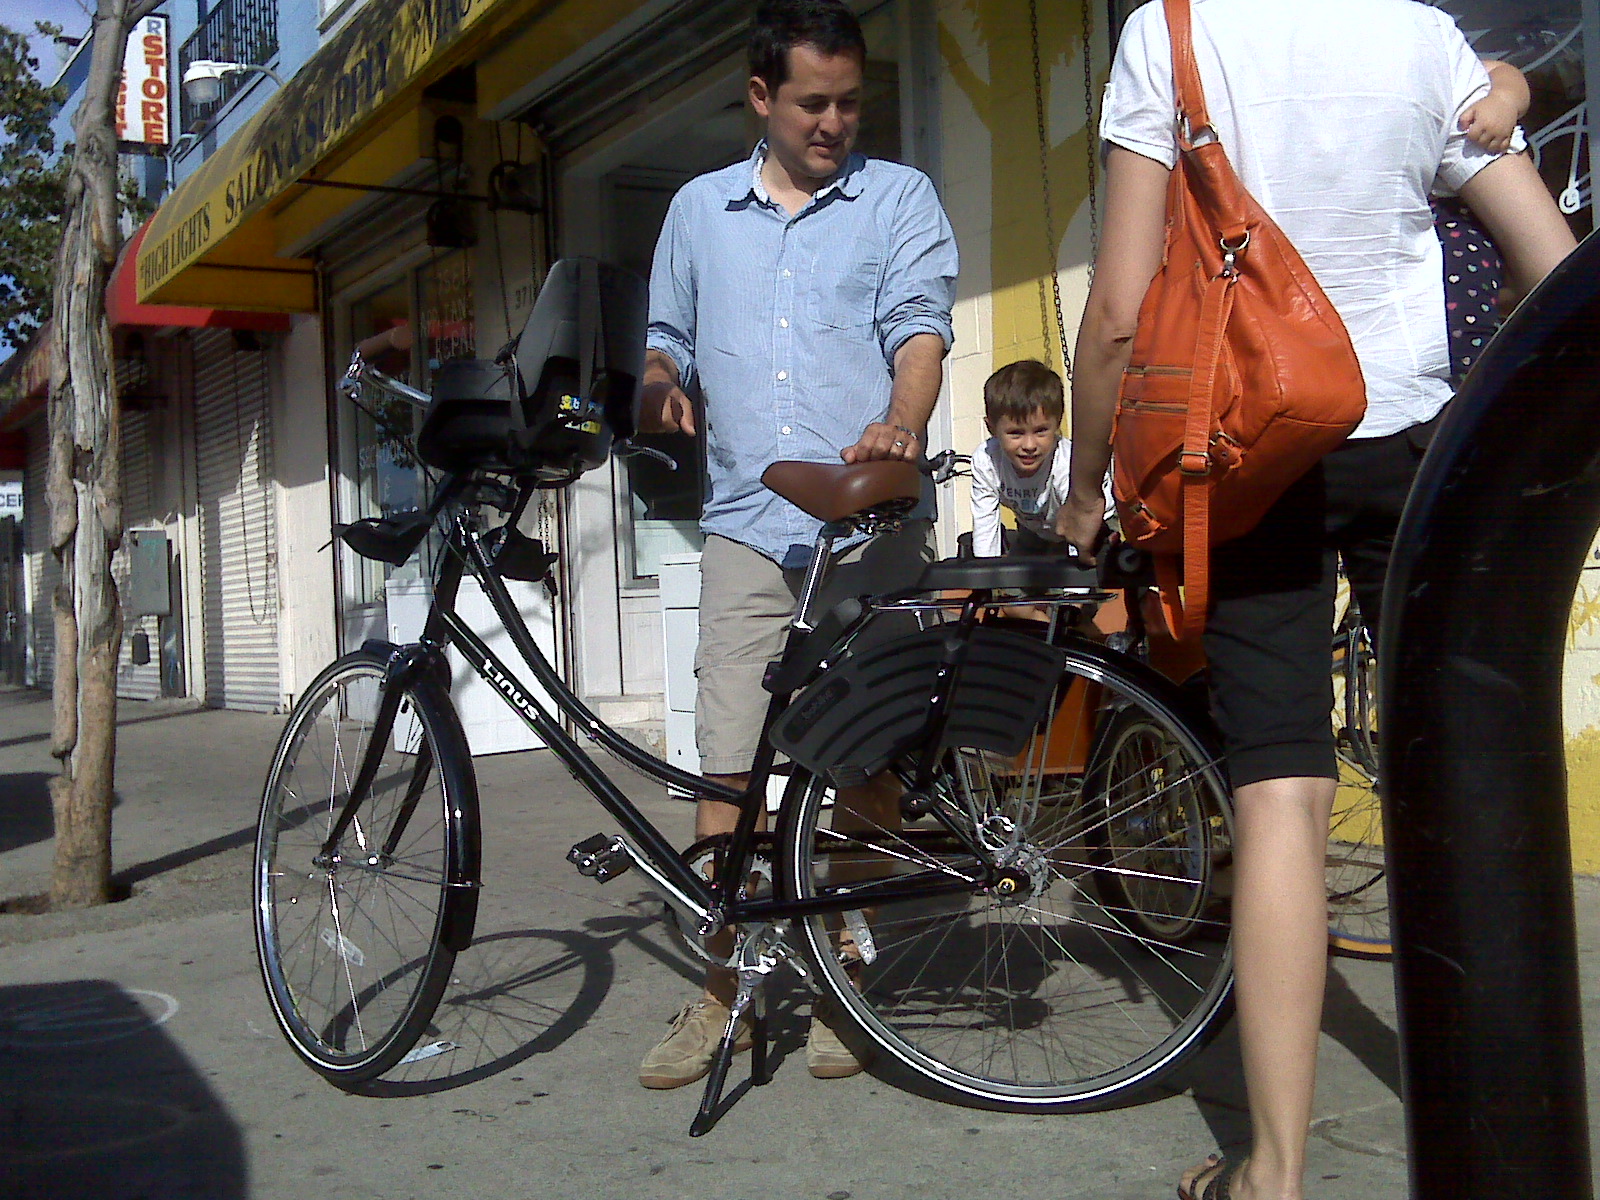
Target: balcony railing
x: 242, y: 31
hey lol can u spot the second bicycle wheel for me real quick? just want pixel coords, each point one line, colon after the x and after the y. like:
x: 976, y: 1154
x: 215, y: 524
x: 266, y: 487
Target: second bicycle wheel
x: 1154, y: 847
x: 1357, y: 882
x: 356, y: 940
x: 1018, y: 979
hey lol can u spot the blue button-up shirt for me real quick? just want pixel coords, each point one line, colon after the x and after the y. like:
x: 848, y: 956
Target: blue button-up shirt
x: 791, y: 324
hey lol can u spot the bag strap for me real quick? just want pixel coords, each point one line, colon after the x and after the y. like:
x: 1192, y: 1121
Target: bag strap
x: 1190, y: 96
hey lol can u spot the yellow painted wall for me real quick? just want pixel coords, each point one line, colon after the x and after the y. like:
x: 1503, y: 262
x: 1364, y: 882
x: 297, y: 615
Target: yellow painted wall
x: 1581, y: 705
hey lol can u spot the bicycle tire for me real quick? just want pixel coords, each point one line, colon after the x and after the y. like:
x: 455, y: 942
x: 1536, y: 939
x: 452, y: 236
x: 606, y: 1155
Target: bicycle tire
x: 1049, y: 1001
x: 356, y: 955
x: 1355, y: 871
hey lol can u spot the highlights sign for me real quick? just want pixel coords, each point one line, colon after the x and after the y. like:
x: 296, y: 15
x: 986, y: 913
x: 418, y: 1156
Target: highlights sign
x: 144, y: 97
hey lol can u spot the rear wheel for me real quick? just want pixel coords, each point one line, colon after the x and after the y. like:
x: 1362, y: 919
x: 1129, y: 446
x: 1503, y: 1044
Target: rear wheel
x: 356, y: 944
x: 1022, y: 977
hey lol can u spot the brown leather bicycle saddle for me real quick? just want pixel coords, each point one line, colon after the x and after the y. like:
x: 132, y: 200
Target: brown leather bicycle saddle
x: 834, y: 491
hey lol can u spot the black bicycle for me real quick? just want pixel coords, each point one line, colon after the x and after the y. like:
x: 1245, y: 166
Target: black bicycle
x: 1037, y: 928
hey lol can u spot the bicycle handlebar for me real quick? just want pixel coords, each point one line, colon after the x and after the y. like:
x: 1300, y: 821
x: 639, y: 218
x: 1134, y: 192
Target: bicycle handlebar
x: 944, y: 466
x: 361, y: 371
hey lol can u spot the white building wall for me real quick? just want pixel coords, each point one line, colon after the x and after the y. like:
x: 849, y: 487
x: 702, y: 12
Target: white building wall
x: 307, y: 630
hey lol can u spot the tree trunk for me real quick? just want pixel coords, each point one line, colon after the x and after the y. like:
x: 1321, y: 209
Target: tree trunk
x: 85, y: 484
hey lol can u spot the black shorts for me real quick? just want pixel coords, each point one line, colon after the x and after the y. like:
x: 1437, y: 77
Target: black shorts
x: 1269, y: 631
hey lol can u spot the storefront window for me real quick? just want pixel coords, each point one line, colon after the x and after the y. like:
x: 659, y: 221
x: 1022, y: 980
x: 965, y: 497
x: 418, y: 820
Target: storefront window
x: 447, y: 312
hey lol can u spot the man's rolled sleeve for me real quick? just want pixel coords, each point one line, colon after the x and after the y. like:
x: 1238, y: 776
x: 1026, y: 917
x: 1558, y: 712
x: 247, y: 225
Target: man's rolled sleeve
x: 672, y: 292
x: 919, y: 281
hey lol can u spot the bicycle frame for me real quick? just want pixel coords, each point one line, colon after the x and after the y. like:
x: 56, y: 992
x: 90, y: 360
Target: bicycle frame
x: 709, y: 906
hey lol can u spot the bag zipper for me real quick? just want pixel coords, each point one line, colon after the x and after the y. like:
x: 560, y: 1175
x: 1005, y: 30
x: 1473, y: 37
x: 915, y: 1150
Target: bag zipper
x: 1153, y: 406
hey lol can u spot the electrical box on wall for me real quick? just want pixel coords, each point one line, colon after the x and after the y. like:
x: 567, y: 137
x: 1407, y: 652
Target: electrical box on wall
x: 149, y: 580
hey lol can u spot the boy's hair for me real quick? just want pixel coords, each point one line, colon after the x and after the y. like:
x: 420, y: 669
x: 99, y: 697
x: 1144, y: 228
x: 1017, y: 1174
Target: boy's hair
x: 780, y: 25
x: 1020, y: 388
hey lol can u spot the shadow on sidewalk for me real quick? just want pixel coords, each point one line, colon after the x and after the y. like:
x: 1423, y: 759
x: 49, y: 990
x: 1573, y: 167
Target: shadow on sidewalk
x: 25, y: 813
x: 140, y: 872
x: 96, y: 1100
x: 516, y: 994
x: 187, y: 710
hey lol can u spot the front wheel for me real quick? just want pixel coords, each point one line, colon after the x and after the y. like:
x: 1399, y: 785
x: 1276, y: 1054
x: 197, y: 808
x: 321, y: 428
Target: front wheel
x: 356, y: 940
x: 988, y: 956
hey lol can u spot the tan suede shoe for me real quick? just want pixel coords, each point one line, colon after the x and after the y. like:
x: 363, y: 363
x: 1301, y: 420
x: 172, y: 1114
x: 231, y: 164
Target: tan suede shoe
x: 685, y: 1054
x: 827, y: 1057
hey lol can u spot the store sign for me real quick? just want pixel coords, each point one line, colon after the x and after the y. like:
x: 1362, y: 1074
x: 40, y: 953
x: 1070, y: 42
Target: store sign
x: 144, y: 97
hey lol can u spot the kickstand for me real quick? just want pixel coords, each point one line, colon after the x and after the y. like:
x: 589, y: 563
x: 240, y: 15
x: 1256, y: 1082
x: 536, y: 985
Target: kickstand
x: 713, y: 1105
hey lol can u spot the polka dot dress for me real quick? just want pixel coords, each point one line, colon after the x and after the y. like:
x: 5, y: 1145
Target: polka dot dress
x: 1473, y: 274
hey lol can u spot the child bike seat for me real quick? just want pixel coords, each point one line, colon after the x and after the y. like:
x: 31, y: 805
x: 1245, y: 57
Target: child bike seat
x: 834, y: 491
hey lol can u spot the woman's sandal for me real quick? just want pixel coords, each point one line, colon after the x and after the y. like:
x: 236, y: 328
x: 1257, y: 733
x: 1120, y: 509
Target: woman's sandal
x: 1218, y: 1174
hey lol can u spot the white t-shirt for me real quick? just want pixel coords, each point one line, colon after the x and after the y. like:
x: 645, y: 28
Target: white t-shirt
x: 1340, y: 118
x: 1034, y: 498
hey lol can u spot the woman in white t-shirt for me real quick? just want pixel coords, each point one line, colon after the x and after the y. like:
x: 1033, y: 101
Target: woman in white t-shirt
x: 1340, y: 116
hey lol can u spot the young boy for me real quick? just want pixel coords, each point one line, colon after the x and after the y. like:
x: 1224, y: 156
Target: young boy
x: 1023, y: 465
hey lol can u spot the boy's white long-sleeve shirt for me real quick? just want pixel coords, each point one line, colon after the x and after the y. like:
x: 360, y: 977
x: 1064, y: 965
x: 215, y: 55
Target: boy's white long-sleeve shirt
x: 1034, y: 498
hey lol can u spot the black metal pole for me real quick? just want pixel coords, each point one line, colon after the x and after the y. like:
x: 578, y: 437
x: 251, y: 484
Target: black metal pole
x: 1476, y: 614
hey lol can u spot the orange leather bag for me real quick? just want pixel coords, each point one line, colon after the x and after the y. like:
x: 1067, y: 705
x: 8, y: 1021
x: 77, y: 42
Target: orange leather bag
x: 1242, y: 374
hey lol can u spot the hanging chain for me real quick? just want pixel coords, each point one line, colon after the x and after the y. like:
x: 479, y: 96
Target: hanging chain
x: 1042, y: 117
x: 1091, y: 138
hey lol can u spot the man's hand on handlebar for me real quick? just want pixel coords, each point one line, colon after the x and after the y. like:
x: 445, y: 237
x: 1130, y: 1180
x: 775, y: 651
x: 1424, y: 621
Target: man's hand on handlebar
x: 882, y: 440
x: 663, y: 407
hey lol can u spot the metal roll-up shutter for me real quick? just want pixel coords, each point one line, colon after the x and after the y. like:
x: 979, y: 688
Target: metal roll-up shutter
x: 43, y: 570
x: 135, y: 681
x: 238, y: 524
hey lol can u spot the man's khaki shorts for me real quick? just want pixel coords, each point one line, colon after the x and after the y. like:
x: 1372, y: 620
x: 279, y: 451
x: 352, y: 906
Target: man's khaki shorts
x: 746, y: 603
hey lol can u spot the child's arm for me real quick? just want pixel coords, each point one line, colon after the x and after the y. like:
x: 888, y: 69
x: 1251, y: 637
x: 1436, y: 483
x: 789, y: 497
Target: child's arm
x: 1491, y: 121
x: 985, y: 506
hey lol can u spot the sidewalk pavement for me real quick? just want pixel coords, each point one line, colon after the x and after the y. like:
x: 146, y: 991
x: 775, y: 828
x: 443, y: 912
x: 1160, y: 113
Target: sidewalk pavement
x: 141, y: 1061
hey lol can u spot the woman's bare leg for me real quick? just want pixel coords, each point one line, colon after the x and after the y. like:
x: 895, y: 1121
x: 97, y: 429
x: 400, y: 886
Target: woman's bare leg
x: 1280, y: 939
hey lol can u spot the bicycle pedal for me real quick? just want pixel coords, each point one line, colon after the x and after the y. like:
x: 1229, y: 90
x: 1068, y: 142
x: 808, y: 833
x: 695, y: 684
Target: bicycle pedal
x: 600, y: 857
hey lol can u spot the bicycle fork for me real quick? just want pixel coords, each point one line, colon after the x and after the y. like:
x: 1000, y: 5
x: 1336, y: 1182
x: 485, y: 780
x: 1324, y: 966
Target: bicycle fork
x: 404, y: 661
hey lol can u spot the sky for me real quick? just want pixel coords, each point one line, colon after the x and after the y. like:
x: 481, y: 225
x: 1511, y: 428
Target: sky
x: 69, y: 14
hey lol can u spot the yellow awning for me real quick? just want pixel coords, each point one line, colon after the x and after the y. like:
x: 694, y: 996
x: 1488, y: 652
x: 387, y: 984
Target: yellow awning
x: 212, y: 241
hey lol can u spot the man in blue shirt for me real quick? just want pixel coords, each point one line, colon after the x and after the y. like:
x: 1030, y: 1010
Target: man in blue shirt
x: 808, y: 290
